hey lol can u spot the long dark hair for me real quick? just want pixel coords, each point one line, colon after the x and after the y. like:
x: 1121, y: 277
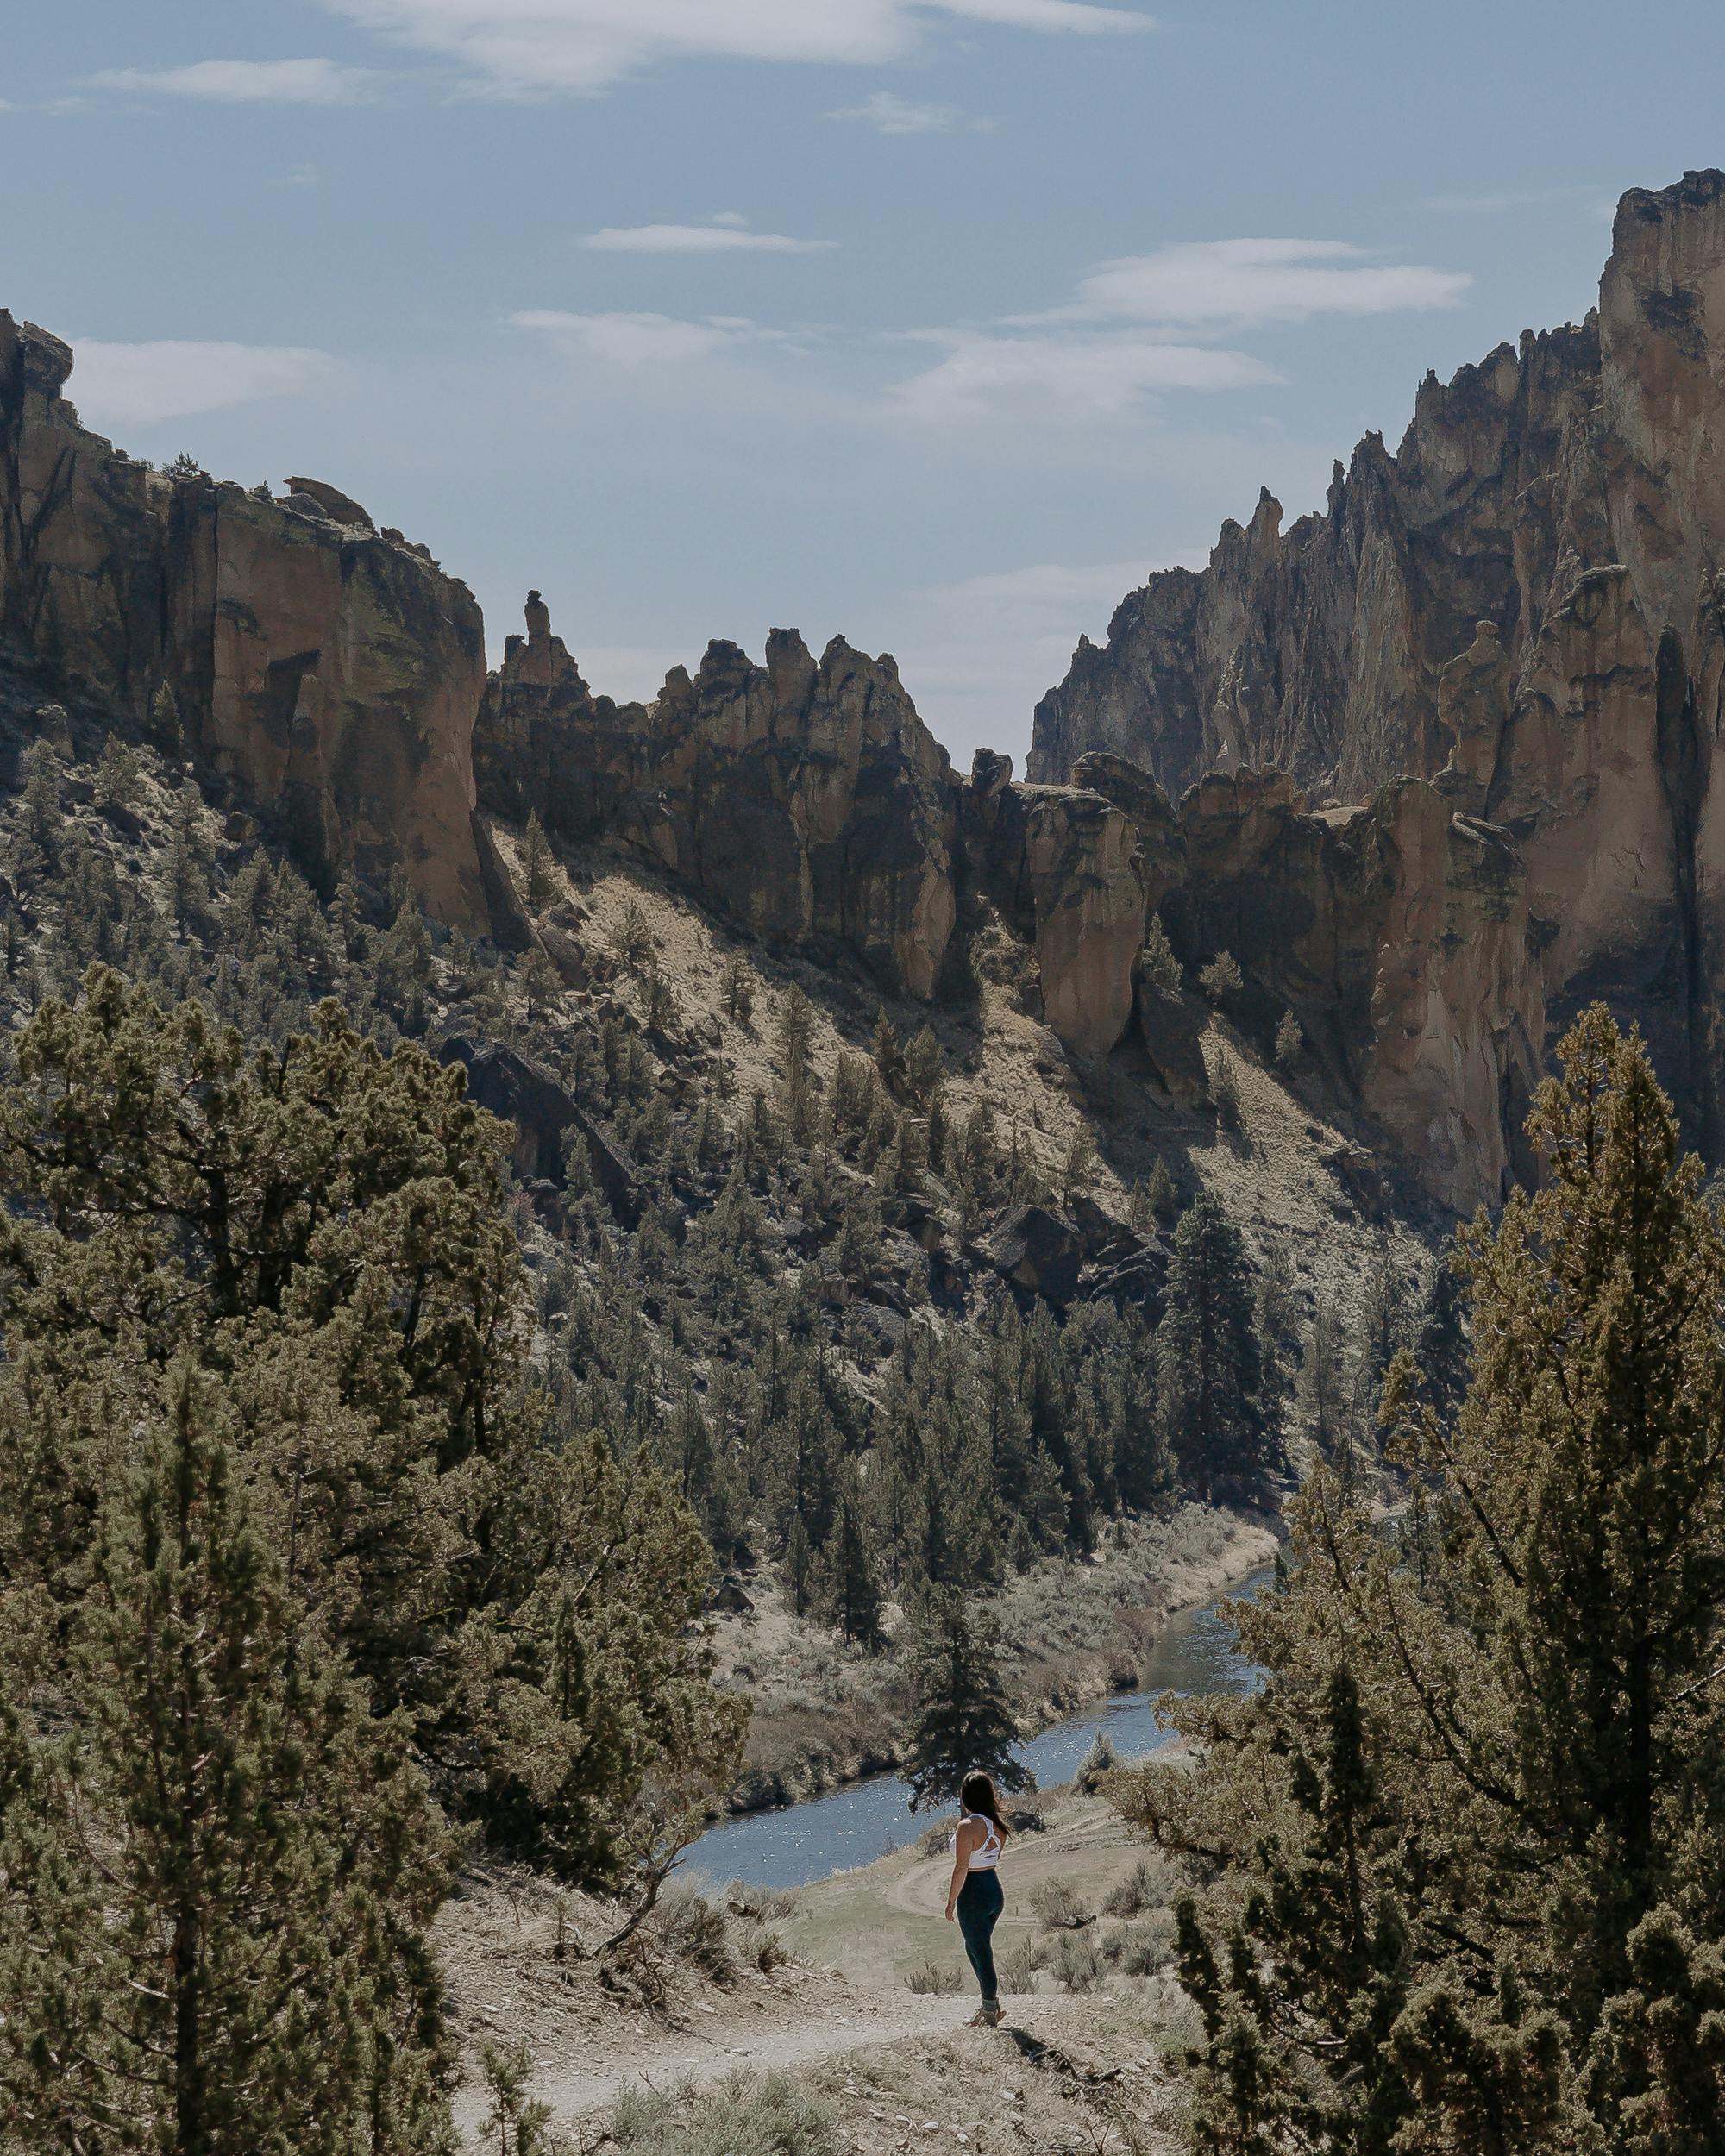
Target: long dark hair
x: 977, y: 1794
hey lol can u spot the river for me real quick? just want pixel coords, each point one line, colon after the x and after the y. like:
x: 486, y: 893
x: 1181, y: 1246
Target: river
x: 864, y: 1819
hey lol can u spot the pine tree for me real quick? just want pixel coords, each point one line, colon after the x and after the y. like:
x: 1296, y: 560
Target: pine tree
x: 850, y: 1593
x: 1079, y: 1167
x: 961, y: 1721
x: 538, y: 864
x: 165, y: 729
x: 1163, y: 1196
x: 1535, y: 1661
x: 889, y: 1056
x: 191, y: 860
x: 1156, y: 961
x: 1208, y: 1362
x: 542, y: 985
x: 632, y: 938
x: 923, y: 1070
x: 1326, y: 1917
x: 736, y: 990
x: 116, y: 775
x: 212, y: 1890
x: 796, y: 1080
x: 1291, y: 1042
x: 1221, y: 979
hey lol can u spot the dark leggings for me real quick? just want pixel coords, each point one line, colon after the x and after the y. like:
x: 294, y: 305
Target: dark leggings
x: 980, y: 1904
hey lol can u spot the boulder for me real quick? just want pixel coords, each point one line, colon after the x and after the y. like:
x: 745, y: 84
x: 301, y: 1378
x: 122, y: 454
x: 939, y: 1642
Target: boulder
x: 339, y: 508
x: 1038, y: 1251
x: 524, y: 1092
x: 1173, y: 1033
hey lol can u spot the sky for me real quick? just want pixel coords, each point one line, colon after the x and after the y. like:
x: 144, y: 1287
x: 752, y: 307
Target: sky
x: 936, y: 324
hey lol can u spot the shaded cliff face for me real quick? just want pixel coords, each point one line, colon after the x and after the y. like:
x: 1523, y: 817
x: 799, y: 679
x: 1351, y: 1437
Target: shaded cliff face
x: 806, y: 799
x: 1398, y: 934
x: 331, y: 670
x: 1523, y: 604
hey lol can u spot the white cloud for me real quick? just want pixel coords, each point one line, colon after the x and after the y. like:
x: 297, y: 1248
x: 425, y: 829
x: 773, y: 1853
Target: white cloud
x: 629, y: 340
x: 890, y: 114
x: 1057, y: 589
x: 1063, y: 378
x: 138, y: 384
x: 535, y: 47
x: 298, y: 82
x: 726, y: 235
x: 1241, y: 281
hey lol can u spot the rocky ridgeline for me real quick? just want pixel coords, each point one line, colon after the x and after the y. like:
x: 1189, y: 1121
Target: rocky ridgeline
x: 1525, y: 606
x: 810, y: 801
x: 1506, y: 640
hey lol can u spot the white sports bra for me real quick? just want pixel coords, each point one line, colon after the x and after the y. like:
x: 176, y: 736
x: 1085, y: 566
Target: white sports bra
x: 987, y: 1854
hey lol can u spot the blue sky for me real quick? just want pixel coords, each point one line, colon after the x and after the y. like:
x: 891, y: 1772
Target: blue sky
x: 935, y: 325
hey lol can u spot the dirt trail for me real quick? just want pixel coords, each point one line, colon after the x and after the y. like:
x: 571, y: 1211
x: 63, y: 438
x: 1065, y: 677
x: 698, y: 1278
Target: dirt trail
x: 894, y: 2066
x: 851, y: 2023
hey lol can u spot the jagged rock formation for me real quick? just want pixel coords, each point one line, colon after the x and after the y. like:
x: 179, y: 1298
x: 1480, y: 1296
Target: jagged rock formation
x: 806, y: 799
x: 330, y: 670
x: 810, y: 802
x: 1524, y: 603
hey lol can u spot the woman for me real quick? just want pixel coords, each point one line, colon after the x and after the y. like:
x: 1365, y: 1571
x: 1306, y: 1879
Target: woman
x: 974, y: 1896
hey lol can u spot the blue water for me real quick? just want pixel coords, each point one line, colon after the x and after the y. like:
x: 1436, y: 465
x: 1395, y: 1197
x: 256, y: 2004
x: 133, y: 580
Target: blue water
x: 853, y: 1825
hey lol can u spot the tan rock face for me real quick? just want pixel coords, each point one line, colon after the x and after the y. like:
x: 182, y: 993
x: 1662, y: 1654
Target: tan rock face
x: 334, y: 671
x: 807, y: 797
x: 1081, y: 857
x: 1528, y: 594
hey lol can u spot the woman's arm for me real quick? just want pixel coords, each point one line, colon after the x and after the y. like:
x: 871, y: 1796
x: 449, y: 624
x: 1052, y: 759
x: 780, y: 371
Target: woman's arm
x: 963, y: 1842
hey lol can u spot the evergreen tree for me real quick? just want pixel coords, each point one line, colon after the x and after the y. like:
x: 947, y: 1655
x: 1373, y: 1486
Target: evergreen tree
x: 538, y: 864
x: 165, y: 729
x: 1163, y: 1196
x: 851, y: 1594
x: 327, y: 1230
x: 1209, y: 1366
x: 213, y: 1888
x: 1080, y: 1165
x: 889, y: 1056
x: 923, y: 1070
x: 735, y: 989
x: 960, y: 1720
x: 1291, y: 1042
x: 796, y: 1080
x: 1221, y: 979
x: 1535, y: 1662
x: 191, y: 860
x: 1156, y: 961
x: 632, y: 939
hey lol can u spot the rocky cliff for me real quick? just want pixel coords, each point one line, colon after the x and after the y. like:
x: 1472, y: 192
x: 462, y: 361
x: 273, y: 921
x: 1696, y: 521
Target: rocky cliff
x: 809, y: 802
x: 331, y: 671
x: 1522, y: 604
x: 807, y: 798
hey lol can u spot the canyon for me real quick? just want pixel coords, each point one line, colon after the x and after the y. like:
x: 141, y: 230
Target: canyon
x: 1434, y: 765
